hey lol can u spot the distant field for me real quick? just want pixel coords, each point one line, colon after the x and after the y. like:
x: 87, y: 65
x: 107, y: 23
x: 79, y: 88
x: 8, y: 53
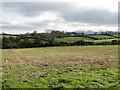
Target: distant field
x: 61, y: 67
x: 116, y: 36
x: 75, y: 39
x: 105, y: 40
x: 101, y: 36
x: 89, y: 38
x: 72, y: 39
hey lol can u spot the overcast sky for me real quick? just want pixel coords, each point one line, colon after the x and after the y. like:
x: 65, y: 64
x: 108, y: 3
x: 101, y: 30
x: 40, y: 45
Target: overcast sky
x: 22, y: 17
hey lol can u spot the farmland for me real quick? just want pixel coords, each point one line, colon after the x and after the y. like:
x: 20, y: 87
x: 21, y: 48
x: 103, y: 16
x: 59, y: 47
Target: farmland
x: 61, y: 67
x: 101, y: 36
x: 105, y: 40
x: 57, y: 38
x: 72, y: 39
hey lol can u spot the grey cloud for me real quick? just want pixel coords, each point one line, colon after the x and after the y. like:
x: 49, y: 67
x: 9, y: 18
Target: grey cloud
x: 66, y: 11
x: 93, y: 16
x: 4, y: 23
x: 30, y: 25
x: 33, y: 8
x: 11, y: 27
x: 40, y: 24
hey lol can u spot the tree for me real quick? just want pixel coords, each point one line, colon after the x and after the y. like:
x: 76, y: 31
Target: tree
x: 26, y: 43
x: 37, y: 42
x: 95, y: 33
x: 34, y: 34
x: 8, y: 42
x: 49, y: 37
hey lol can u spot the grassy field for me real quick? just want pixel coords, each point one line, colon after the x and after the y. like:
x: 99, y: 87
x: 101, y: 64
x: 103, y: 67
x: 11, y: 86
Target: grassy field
x: 61, y: 67
x: 116, y: 36
x: 89, y: 38
x: 105, y: 40
x: 72, y: 39
x: 101, y: 36
x: 75, y: 39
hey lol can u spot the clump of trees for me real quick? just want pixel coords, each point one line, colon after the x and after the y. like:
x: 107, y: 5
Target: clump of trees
x: 35, y: 39
x: 32, y: 39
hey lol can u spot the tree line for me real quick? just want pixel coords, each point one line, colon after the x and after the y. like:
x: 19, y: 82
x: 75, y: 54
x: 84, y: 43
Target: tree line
x: 35, y: 39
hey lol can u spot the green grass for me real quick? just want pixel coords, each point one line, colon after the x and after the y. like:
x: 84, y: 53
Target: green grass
x: 105, y: 40
x: 61, y: 67
x: 117, y: 36
x: 72, y: 39
x: 101, y: 36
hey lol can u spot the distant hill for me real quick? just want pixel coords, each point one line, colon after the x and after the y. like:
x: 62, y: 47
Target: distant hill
x: 86, y: 32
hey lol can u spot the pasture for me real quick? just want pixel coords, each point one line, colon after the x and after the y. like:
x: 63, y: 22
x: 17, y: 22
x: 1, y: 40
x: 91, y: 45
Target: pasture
x: 72, y: 39
x: 61, y: 67
x: 102, y: 36
x: 105, y: 40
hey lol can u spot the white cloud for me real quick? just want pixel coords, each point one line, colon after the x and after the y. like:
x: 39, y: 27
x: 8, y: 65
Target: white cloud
x: 78, y: 15
x: 106, y: 4
x: 111, y: 5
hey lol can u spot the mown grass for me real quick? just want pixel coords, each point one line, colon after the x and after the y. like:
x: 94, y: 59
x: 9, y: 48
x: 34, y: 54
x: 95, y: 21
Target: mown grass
x: 75, y: 39
x: 101, y: 36
x: 117, y: 36
x: 61, y: 67
x: 105, y: 40
x: 71, y: 39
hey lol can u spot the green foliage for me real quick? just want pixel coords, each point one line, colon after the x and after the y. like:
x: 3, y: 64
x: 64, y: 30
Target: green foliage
x: 57, y: 38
